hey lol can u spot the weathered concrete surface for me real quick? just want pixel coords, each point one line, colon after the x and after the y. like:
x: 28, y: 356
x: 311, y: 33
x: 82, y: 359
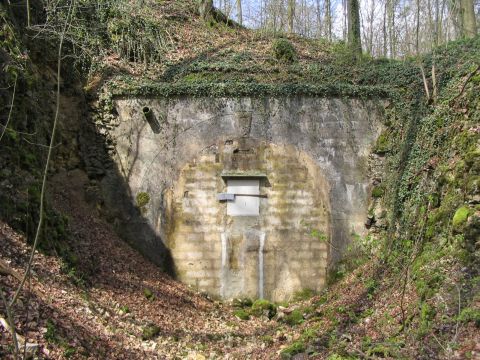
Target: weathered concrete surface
x: 314, y: 153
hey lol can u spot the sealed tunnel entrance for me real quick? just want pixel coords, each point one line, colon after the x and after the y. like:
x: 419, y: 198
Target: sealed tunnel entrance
x: 250, y: 219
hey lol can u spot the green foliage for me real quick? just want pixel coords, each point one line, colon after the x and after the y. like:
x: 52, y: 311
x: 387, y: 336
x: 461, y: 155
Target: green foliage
x: 131, y: 87
x: 382, y: 144
x: 263, y: 307
x: 470, y: 314
x: 242, y: 314
x: 319, y: 235
x: 339, y: 357
x: 149, y: 295
x: 284, y: 51
x: 150, y: 331
x: 294, y: 318
x: 268, y: 339
x: 69, y: 352
x: 304, y: 294
x: 242, y: 303
x: 295, y: 348
x: 378, y: 191
x: 51, y: 335
x: 427, y: 313
x: 371, y: 286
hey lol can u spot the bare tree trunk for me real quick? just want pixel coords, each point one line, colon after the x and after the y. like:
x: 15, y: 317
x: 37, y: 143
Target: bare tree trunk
x: 456, y: 16
x: 205, y: 8
x: 437, y: 23
x: 441, y: 25
x: 354, y: 34
x: 391, y: 27
x: 291, y: 15
x: 417, y: 29
x: 318, y: 9
x: 469, y: 23
x: 328, y: 18
x: 28, y: 13
x: 371, y: 20
x: 239, y: 12
x: 385, y: 28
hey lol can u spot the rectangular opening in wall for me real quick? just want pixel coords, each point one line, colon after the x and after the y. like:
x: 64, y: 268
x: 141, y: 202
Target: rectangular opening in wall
x: 244, y: 204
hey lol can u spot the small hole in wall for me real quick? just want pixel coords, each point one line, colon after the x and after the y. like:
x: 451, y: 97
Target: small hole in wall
x: 151, y: 119
x: 229, y: 142
x: 185, y: 194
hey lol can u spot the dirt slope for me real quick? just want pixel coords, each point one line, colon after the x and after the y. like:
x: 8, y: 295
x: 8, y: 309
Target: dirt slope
x: 103, y: 315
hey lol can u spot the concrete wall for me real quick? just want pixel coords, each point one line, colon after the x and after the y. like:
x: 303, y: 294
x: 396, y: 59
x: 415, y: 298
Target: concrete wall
x: 314, y: 153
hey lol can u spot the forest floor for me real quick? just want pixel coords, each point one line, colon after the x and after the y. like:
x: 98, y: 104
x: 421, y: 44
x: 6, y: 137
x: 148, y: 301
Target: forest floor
x: 129, y: 309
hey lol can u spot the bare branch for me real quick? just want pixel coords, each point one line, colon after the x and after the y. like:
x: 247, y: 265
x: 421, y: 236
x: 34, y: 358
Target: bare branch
x: 10, y: 111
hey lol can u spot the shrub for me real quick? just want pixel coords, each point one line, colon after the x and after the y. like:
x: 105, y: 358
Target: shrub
x: 284, y: 51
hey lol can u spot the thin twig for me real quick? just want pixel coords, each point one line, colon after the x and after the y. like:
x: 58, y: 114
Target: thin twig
x: 10, y: 325
x: 466, y: 82
x: 20, y: 132
x: 459, y: 310
x: 11, y: 109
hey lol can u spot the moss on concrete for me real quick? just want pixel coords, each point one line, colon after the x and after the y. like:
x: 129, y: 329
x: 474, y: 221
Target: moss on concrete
x: 143, y: 199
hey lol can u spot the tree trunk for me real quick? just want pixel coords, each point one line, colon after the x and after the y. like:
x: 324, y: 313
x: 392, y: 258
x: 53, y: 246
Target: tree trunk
x: 205, y: 8
x: 469, y: 24
x: 239, y: 12
x: 456, y: 17
x: 385, y: 52
x: 291, y: 15
x: 354, y: 34
x: 417, y: 29
x: 328, y: 19
x: 391, y: 28
x: 319, y: 18
x: 371, y: 20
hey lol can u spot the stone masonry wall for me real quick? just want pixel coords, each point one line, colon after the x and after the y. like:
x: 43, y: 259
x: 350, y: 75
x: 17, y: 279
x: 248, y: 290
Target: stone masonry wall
x: 313, y: 151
